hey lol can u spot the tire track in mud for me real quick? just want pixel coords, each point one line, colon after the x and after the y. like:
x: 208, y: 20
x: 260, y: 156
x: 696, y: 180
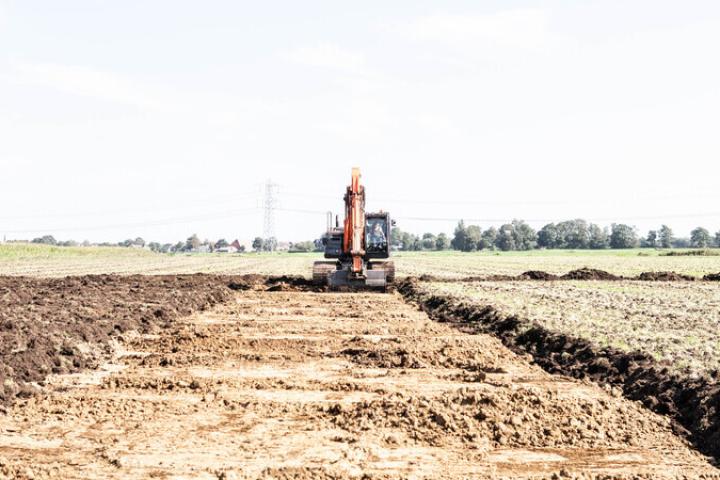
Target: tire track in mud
x: 331, y: 385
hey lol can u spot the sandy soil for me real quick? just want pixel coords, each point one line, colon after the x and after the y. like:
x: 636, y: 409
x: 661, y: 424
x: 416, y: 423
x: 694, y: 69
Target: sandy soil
x: 309, y: 385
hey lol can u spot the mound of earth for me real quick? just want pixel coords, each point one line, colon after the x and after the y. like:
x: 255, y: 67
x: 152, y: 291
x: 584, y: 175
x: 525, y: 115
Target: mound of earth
x: 665, y: 277
x: 714, y: 277
x: 589, y: 274
x: 538, y: 275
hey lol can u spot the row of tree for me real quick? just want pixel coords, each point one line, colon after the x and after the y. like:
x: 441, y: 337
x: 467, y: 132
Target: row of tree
x: 516, y: 235
x: 571, y: 234
x: 192, y: 244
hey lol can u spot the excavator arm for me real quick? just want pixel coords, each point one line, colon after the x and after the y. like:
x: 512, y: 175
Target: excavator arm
x: 354, y: 231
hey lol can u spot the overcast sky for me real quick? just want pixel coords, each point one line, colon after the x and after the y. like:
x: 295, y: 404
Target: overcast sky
x: 165, y: 118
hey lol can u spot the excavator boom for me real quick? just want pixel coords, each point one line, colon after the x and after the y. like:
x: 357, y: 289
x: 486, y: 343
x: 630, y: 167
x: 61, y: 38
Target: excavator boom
x: 354, y: 231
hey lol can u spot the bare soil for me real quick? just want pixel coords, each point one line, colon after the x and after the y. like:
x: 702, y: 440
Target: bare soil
x: 53, y: 326
x: 692, y: 400
x: 298, y: 384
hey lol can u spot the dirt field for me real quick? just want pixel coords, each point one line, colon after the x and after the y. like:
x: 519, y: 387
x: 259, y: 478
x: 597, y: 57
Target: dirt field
x: 289, y: 384
x: 676, y: 322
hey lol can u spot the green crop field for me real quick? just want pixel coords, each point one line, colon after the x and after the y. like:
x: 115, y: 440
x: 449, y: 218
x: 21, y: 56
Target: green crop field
x: 48, y: 261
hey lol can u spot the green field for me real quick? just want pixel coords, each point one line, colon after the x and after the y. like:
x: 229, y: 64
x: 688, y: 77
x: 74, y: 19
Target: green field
x: 43, y: 260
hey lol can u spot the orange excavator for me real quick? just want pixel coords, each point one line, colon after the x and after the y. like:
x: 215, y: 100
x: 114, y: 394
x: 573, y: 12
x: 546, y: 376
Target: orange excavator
x: 360, y: 248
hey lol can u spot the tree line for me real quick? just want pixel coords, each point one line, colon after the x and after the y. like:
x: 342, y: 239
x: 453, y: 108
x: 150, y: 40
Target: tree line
x: 571, y: 234
x: 192, y: 244
x: 517, y: 235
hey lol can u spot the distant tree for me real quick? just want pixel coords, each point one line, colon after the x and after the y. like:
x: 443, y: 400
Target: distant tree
x: 166, y: 248
x: 179, y: 246
x: 85, y: 243
x: 473, y: 239
x: 68, y: 243
x: 155, y: 246
x: 192, y: 243
x: 665, y: 237
x: 413, y: 242
x: 46, y: 240
x: 428, y: 241
x: 139, y: 242
x: 573, y: 234
x: 302, y: 247
x: 717, y: 238
x: 598, y: 237
x: 489, y: 237
x: 700, y: 238
x: 269, y: 244
x: 505, y: 239
x: 126, y: 243
x: 443, y: 243
x: 222, y: 243
x: 681, y: 243
x: 548, y: 236
x: 524, y: 235
x: 458, y: 241
x: 409, y: 242
x: 652, y: 239
x: 242, y: 248
x: 396, y: 238
x: 622, y: 236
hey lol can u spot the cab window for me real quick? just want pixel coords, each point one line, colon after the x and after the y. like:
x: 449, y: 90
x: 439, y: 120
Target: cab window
x: 375, y: 235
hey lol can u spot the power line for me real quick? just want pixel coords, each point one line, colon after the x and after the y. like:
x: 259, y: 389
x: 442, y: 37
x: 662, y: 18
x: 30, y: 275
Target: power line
x: 571, y: 201
x: 505, y: 220
x: 153, y: 223
x: 195, y: 202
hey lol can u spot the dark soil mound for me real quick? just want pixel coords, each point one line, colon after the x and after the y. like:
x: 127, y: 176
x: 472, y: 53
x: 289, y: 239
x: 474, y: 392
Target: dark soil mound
x: 538, y: 275
x: 590, y: 274
x: 52, y: 326
x: 713, y: 277
x: 665, y: 277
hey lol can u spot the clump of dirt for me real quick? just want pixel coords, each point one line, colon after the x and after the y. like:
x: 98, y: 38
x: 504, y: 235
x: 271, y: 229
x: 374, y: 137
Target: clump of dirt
x: 590, y: 274
x: 694, y: 403
x: 423, y: 353
x: 665, y: 277
x: 712, y: 277
x: 316, y: 473
x: 284, y: 283
x: 53, y: 326
x: 289, y: 283
x: 397, y: 358
x: 538, y: 275
x: 691, y: 253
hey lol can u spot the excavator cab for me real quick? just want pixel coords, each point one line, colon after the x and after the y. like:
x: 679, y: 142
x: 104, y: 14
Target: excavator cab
x: 377, y: 235
x: 360, y: 247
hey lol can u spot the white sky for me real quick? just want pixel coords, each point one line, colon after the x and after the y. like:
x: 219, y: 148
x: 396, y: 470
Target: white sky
x: 160, y: 119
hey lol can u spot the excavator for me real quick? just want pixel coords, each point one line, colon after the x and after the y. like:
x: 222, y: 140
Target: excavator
x: 359, y: 249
